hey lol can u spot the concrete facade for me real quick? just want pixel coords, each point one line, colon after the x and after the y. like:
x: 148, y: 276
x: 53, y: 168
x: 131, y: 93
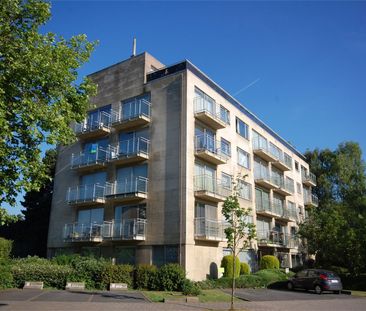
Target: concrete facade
x: 146, y: 180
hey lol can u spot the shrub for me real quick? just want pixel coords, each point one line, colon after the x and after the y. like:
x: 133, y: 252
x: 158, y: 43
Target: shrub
x: 269, y: 276
x: 52, y: 275
x: 190, y: 288
x: 249, y: 281
x: 227, y: 264
x: 30, y: 260
x: 6, y: 277
x: 223, y: 282
x: 269, y: 262
x: 5, y: 248
x: 65, y: 259
x: 207, y: 284
x: 244, y: 268
x: 170, y: 277
x: 116, y: 274
x: 145, y: 276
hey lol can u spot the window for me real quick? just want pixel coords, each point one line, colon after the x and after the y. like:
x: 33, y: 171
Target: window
x: 243, y: 158
x: 205, y: 211
x: 290, y: 185
x: 296, y: 166
x: 225, y: 147
x: 203, y: 102
x: 275, y: 151
x: 242, y: 128
x: 299, y: 188
x: 164, y: 254
x: 226, y: 180
x: 91, y: 216
x: 98, y: 117
x: 263, y: 228
x: 259, y: 142
x: 124, y: 255
x: 277, y: 177
x: 245, y: 190
x: 291, y: 209
x: 261, y: 170
x: 224, y: 114
x: 288, y: 160
x: 262, y: 201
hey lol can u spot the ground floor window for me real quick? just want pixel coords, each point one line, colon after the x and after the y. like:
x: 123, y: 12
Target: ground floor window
x: 90, y: 251
x: 163, y: 254
x: 125, y: 255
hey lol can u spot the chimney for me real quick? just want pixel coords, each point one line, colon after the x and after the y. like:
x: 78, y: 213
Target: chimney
x: 134, y: 47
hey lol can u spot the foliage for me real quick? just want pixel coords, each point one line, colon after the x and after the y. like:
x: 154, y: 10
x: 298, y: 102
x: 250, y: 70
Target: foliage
x: 269, y: 262
x: 249, y: 281
x: 190, y: 288
x: 116, y: 274
x: 65, y: 259
x: 145, y: 276
x: 269, y: 276
x: 244, y: 268
x: 5, y: 248
x: 6, y: 219
x: 336, y: 229
x: 170, y: 277
x: 6, y: 277
x: 36, y: 214
x: 352, y: 282
x: 39, y: 93
x: 37, y: 270
x: 227, y: 264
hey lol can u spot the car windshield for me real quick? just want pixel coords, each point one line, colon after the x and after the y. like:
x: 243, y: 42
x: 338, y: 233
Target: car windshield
x: 331, y: 274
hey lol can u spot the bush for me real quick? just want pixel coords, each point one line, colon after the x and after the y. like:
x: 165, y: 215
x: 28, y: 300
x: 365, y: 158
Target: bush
x: 145, y: 276
x: 6, y: 277
x: 244, y: 268
x: 5, y: 248
x: 269, y: 276
x: 65, y: 259
x: 51, y: 275
x: 227, y: 264
x: 170, y: 277
x: 249, y: 281
x: 269, y: 262
x: 207, y: 284
x: 116, y: 274
x: 190, y: 288
x: 30, y: 260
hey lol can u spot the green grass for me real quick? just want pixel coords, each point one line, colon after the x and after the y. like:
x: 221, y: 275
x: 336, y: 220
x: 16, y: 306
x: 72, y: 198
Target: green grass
x: 358, y: 293
x: 209, y: 295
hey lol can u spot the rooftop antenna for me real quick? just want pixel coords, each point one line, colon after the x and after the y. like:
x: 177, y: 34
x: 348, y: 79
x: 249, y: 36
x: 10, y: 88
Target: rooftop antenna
x: 134, y: 47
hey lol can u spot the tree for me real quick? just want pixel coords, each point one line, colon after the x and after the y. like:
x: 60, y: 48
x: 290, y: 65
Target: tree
x: 336, y: 229
x: 39, y: 93
x: 240, y: 232
x: 30, y: 232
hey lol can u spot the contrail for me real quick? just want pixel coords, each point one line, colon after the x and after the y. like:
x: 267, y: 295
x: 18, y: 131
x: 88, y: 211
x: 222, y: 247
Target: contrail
x: 246, y: 87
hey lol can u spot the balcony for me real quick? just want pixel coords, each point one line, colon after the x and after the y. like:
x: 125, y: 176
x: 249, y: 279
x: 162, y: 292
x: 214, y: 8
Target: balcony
x: 86, y: 195
x: 283, y: 187
x: 264, y: 207
x: 127, y: 190
x: 76, y: 232
x: 89, y: 161
x: 282, y: 162
x: 209, y: 230
x: 134, y: 114
x: 126, y: 230
x: 311, y: 200
x: 273, y: 239
x: 94, y: 127
x: 131, y: 151
x: 207, y: 150
x: 209, y: 188
x: 309, y: 179
x: 281, y: 212
x: 260, y: 148
x: 209, y: 113
x: 263, y: 178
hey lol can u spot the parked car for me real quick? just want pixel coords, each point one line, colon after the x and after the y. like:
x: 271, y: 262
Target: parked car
x: 318, y: 280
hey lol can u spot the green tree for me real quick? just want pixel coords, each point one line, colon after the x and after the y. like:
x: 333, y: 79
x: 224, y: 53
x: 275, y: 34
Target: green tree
x: 39, y: 93
x: 30, y: 232
x: 240, y: 231
x: 335, y: 230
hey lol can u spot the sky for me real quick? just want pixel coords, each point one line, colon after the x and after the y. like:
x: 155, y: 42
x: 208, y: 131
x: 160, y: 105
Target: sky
x: 299, y: 66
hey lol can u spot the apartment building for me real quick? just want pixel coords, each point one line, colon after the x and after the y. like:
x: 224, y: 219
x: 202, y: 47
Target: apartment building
x: 154, y: 161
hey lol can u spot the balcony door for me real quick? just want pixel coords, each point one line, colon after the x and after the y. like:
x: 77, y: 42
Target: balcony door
x: 91, y: 216
x: 135, y: 107
x: 262, y: 200
x: 129, y: 181
x: 96, y: 150
x: 205, y: 139
x: 98, y: 117
x: 260, y: 169
x: 205, y: 177
x: 132, y: 142
x: 206, y: 220
x: 205, y: 102
x: 125, y: 218
x: 92, y: 185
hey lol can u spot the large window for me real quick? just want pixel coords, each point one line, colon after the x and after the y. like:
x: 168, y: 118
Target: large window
x: 225, y: 147
x: 262, y: 201
x: 245, y: 190
x: 224, y: 114
x: 242, y: 128
x: 243, y: 158
x: 290, y: 184
x: 164, y: 254
x: 203, y: 102
x: 226, y: 180
x: 90, y: 216
x: 259, y: 142
x: 135, y: 107
x: 205, y: 211
x: 261, y: 170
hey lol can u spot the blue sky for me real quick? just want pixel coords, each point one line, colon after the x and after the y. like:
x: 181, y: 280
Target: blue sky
x: 299, y: 66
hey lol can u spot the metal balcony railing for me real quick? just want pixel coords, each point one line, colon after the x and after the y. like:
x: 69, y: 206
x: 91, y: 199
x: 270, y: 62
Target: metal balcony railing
x: 140, y: 107
x: 85, y: 193
x: 205, y: 142
x: 209, y: 229
x: 83, y: 232
x: 210, y: 108
x: 93, y: 123
x: 98, y: 156
x: 128, y: 186
x: 311, y: 199
x: 209, y: 184
x: 309, y: 177
x: 273, y: 237
x: 129, y: 229
x: 131, y: 147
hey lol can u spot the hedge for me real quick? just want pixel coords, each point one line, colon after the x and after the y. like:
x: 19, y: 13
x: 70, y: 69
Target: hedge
x: 5, y: 248
x: 170, y: 277
x: 6, y: 277
x: 269, y: 262
x: 244, y: 268
x: 116, y: 274
x: 146, y: 277
x: 227, y: 264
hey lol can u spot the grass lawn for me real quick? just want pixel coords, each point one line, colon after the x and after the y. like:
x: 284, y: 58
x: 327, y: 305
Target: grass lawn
x: 209, y: 295
x: 358, y: 293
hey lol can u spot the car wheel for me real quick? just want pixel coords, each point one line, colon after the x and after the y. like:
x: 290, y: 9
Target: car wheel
x: 318, y: 289
x: 290, y: 286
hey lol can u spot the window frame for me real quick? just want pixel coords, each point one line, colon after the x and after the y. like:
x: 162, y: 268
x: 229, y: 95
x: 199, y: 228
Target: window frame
x: 245, y: 135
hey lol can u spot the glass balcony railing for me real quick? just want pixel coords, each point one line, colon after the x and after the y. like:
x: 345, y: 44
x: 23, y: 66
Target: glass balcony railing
x: 102, y: 120
x: 85, y: 193
x: 205, y: 142
x: 131, y: 147
x: 128, y: 186
x: 273, y: 238
x: 263, y: 205
x: 209, y: 184
x: 211, y: 112
x: 311, y: 199
x: 83, y: 232
x: 308, y: 178
x: 98, y: 156
x: 209, y: 229
x: 134, y: 109
x: 129, y: 229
